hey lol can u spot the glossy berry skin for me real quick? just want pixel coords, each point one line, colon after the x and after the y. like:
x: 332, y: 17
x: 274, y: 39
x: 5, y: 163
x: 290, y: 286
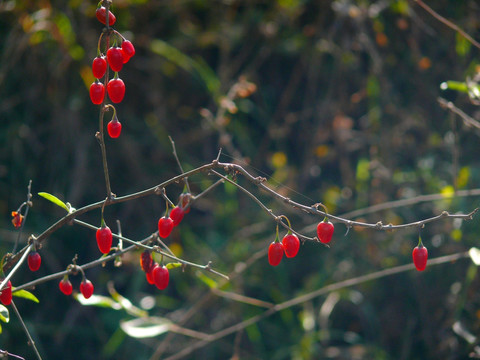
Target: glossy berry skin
x: 165, y: 226
x: 149, y: 274
x: 176, y: 215
x: 86, y: 288
x: 104, y: 239
x: 114, y: 128
x: 101, y: 15
x: 97, y: 92
x: 115, y: 58
x: 128, y: 50
x: 291, y: 244
x: 275, y: 253
x: 146, y: 261
x: 65, y: 286
x: 6, y: 296
x: 420, y: 257
x: 99, y: 67
x: 325, y: 231
x: 116, y: 90
x: 34, y: 260
x: 161, y: 277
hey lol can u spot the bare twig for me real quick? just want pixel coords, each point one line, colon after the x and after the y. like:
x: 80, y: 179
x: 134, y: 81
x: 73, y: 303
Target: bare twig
x: 448, y: 23
x: 175, y: 155
x: 467, y: 120
x: 307, y: 297
x: 25, y: 329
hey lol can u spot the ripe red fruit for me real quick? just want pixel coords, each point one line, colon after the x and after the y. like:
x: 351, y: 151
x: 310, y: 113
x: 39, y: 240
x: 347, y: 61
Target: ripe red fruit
x: 176, y: 214
x: 116, y: 90
x: 165, y: 226
x: 128, y: 50
x: 34, y: 260
x: 161, y: 277
x: 275, y: 253
x: 420, y: 257
x: 97, y: 92
x: 65, y: 286
x: 115, y: 58
x: 86, y: 288
x: 146, y: 261
x: 99, y: 67
x: 291, y: 244
x: 101, y: 15
x: 6, y: 296
x: 149, y: 274
x: 325, y: 231
x: 114, y: 128
x: 104, y: 239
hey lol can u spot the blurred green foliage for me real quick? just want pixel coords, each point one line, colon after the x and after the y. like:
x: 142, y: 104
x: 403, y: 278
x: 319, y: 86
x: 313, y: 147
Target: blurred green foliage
x: 345, y: 113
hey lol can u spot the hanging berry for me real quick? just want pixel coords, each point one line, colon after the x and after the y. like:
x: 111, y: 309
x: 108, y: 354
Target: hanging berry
x: 420, y: 255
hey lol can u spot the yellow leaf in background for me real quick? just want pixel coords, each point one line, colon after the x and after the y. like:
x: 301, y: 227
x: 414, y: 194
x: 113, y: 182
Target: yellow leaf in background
x: 463, y: 177
x: 321, y: 151
x: 87, y: 76
x: 447, y: 191
x: 279, y: 159
x: 456, y: 234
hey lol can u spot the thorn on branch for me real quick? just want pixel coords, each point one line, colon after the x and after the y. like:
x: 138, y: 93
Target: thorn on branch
x: 379, y: 225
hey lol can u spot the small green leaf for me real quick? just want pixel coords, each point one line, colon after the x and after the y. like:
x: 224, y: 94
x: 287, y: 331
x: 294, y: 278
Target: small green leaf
x: 98, y: 300
x: 146, y: 327
x: 474, y: 255
x: 25, y: 294
x: 208, y: 281
x: 173, y: 265
x: 126, y: 304
x: 4, y: 314
x: 54, y: 200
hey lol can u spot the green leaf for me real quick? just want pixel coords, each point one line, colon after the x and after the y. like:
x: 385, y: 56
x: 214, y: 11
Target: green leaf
x: 54, y: 200
x: 474, y: 255
x: 100, y: 301
x: 173, y: 265
x: 194, y: 67
x: 25, y: 294
x: 146, y: 327
x: 205, y: 279
x: 4, y: 314
x: 127, y: 305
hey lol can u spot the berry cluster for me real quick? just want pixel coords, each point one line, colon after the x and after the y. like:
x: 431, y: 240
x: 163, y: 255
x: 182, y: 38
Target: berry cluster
x: 116, y: 56
x: 86, y: 287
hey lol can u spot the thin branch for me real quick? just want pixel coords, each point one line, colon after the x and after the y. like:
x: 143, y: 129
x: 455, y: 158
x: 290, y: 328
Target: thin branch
x: 448, y: 23
x: 312, y: 295
x: 175, y: 155
x: 467, y: 120
x: 28, y: 203
x: 25, y: 329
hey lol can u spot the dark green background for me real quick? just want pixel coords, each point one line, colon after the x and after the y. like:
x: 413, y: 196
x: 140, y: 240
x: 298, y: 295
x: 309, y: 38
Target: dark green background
x: 346, y: 93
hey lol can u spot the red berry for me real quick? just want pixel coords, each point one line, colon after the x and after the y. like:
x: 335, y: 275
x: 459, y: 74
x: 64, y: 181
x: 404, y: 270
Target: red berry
x: 86, y: 288
x: 6, y: 296
x: 116, y: 90
x: 149, y: 274
x: 65, y: 286
x: 128, y: 49
x: 97, y: 92
x: 420, y: 256
x: 146, y: 261
x: 101, y: 15
x: 291, y: 244
x: 275, y: 253
x: 115, y: 58
x: 114, y: 128
x: 165, y: 226
x: 34, y: 261
x: 176, y: 215
x: 99, y: 67
x: 161, y: 277
x: 325, y: 231
x: 104, y: 239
